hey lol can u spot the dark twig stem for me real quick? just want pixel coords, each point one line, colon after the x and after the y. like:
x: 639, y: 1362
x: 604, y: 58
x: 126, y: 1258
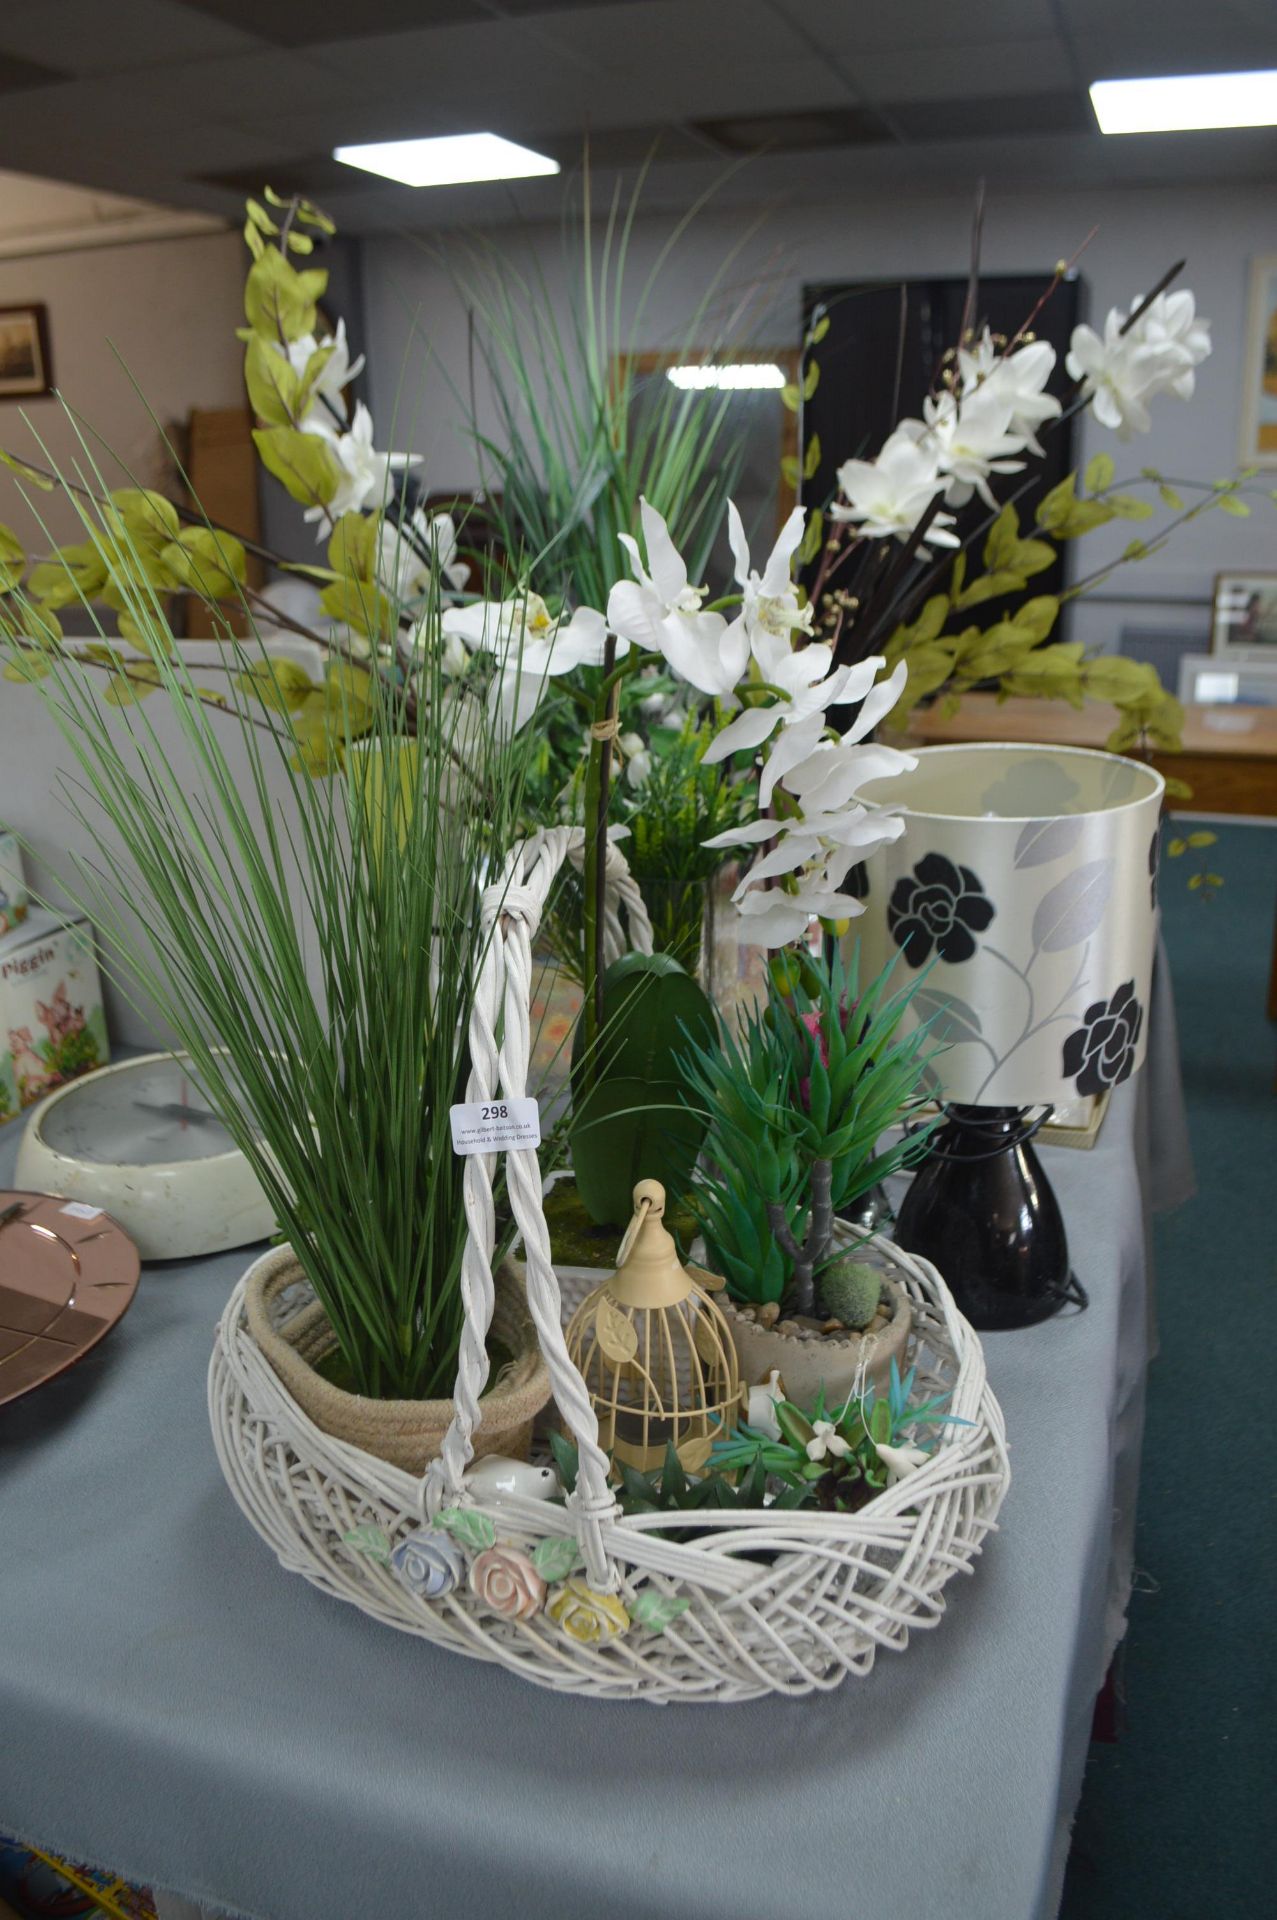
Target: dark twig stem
x: 973, y: 277
x: 806, y: 1254
x: 1137, y: 313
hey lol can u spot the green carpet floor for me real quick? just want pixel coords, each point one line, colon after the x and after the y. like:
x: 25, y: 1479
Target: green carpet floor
x: 1176, y: 1819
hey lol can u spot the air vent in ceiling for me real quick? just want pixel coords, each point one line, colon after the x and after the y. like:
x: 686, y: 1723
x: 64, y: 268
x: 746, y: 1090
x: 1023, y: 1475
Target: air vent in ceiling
x: 795, y: 132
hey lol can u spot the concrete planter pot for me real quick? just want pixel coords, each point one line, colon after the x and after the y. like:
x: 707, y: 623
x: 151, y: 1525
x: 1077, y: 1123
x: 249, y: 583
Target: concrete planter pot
x: 829, y: 1360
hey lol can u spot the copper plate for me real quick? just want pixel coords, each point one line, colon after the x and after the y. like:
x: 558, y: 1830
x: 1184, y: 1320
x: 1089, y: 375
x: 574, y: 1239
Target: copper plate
x: 64, y: 1282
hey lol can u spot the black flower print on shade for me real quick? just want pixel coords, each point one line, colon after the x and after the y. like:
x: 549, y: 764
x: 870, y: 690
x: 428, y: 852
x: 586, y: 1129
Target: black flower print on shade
x: 938, y: 905
x: 1101, y: 1054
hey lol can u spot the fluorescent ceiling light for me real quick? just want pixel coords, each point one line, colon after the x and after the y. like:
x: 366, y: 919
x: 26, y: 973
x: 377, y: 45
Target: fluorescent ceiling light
x: 449, y: 161
x: 1182, y: 101
x: 748, y: 374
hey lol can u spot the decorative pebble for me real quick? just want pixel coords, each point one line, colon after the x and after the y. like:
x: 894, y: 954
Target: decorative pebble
x: 832, y: 1326
x: 768, y: 1314
x: 789, y: 1327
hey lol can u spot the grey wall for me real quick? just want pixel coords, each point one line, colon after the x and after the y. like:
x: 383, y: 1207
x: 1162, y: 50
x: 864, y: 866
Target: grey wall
x: 410, y: 298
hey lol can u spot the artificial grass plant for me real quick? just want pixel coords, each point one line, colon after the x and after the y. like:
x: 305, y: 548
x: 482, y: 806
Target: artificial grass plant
x: 316, y: 958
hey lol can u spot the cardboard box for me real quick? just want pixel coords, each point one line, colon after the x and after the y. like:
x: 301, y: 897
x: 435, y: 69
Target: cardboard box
x: 51, y: 1022
x: 13, y: 886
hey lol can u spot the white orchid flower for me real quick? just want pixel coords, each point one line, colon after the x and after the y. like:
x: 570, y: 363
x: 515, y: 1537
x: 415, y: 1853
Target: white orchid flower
x: 660, y: 611
x: 1170, y: 321
x: 816, y: 845
x: 816, y: 863
x: 813, y: 855
x: 806, y: 688
x: 802, y: 720
x: 409, y: 555
x: 637, y: 757
x: 776, y: 919
x: 826, y: 1439
x: 654, y: 706
x: 337, y: 373
x: 900, y: 1462
x: 824, y: 843
x: 888, y: 496
x: 1018, y: 379
x: 970, y: 440
x: 769, y: 602
x: 365, y: 473
x: 531, y: 645
x: 1121, y: 373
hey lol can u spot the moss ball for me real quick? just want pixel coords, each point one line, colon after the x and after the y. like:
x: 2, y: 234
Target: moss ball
x: 850, y: 1290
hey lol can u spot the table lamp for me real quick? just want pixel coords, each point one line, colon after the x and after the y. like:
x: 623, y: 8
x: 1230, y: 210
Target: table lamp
x: 1024, y: 887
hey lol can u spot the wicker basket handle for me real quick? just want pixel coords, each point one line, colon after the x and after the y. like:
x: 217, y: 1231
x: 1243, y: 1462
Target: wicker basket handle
x: 512, y: 910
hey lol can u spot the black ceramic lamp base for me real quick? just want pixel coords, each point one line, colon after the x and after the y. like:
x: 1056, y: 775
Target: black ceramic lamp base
x: 982, y: 1210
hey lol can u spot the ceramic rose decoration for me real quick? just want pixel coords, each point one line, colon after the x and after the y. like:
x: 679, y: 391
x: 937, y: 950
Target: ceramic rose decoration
x: 506, y: 1581
x: 585, y: 1616
x: 429, y: 1564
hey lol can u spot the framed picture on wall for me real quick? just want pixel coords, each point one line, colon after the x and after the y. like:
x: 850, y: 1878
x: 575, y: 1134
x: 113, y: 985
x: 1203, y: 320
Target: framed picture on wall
x: 1259, y: 368
x: 26, y: 371
x: 1244, y: 621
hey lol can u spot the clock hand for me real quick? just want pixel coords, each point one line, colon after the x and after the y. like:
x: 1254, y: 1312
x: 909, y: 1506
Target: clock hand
x: 173, y: 1110
x: 12, y: 1211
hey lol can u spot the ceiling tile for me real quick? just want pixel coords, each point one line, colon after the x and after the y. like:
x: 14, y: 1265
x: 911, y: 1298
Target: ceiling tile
x: 648, y: 38
x: 1149, y: 18
x: 1114, y: 51
x: 298, y: 23
x: 429, y: 61
x: 111, y: 36
x: 16, y: 74
x: 247, y: 88
x: 84, y: 110
x: 940, y: 73
x: 966, y: 118
x: 521, y: 9
x: 849, y: 30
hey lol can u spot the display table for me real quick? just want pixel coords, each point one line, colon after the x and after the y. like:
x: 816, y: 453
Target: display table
x: 174, y: 1704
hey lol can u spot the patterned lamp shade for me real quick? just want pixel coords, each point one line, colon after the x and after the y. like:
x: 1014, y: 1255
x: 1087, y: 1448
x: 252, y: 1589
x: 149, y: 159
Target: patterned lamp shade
x: 1026, y: 884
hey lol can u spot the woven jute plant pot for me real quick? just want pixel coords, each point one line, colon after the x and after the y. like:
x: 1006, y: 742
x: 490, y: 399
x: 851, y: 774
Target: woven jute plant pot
x: 832, y: 1360
x: 407, y: 1433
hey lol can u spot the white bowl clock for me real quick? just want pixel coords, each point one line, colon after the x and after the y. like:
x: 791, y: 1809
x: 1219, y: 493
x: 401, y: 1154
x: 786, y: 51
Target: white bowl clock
x: 138, y: 1140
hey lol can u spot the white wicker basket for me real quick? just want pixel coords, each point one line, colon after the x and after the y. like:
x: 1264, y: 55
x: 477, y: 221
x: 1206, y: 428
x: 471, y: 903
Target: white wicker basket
x: 757, y: 1602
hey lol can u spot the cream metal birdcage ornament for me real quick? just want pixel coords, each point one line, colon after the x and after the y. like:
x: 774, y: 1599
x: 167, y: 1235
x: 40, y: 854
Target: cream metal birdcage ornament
x: 655, y: 1351
x: 574, y: 1594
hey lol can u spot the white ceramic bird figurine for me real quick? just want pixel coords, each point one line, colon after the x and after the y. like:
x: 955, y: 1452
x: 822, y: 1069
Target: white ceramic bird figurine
x: 900, y: 1462
x: 496, y: 1475
x: 762, y: 1405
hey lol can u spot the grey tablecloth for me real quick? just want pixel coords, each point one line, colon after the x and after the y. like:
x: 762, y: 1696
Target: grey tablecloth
x: 173, y: 1704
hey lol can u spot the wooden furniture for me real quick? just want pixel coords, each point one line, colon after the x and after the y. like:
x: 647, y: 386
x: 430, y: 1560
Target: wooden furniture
x: 221, y: 464
x: 1229, y: 757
